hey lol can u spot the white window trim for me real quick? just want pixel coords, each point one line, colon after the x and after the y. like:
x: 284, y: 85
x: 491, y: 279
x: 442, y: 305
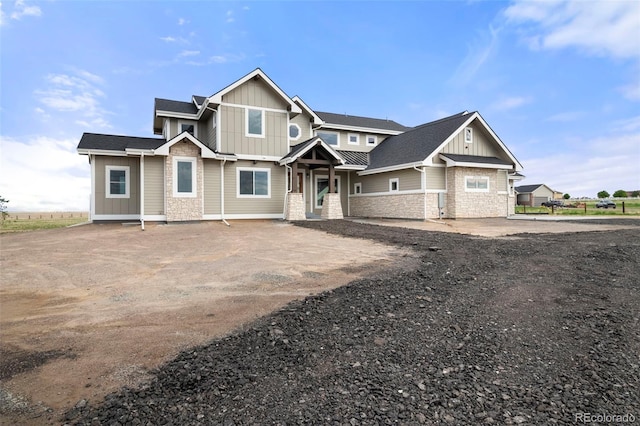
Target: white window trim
x: 315, y: 188
x: 333, y: 133
x: 253, y: 169
x: 357, y: 188
x: 375, y: 140
x: 214, y: 120
x: 165, y: 129
x: 246, y: 123
x: 107, y: 181
x: 190, y: 123
x: 289, y: 132
x: 469, y: 131
x: 467, y: 189
x: 194, y: 180
x: 397, y: 182
x: 357, y: 142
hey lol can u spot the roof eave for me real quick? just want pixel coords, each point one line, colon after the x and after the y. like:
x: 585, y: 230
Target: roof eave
x: 391, y: 168
x: 328, y: 126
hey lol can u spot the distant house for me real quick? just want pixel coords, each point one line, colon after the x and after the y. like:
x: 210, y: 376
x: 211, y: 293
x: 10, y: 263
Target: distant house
x: 535, y: 195
x: 250, y: 151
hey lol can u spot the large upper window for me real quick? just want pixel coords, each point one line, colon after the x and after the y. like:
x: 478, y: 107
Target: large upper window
x: 255, y: 123
x: 117, y: 181
x: 322, y: 188
x: 184, y: 177
x: 476, y: 183
x: 372, y: 140
x: 331, y: 138
x: 254, y: 183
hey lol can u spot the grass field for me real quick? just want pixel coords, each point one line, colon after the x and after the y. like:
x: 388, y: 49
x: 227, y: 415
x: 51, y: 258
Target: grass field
x: 20, y: 222
x: 588, y: 208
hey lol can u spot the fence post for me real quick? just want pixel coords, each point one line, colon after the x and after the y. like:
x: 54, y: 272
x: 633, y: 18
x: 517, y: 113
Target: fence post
x: 585, y: 207
x: 623, y: 207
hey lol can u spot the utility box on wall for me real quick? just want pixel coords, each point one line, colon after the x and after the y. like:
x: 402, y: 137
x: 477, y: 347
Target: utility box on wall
x: 441, y: 203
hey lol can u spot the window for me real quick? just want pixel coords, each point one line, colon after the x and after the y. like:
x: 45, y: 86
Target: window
x: 322, y: 187
x: 468, y: 135
x: 476, y: 183
x: 372, y: 140
x: 354, y: 139
x: 394, y: 185
x: 331, y: 138
x: 357, y: 188
x: 188, y: 127
x: 254, y: 183
x: 214, y: 120
x: 184, y: 177
x: 255, y: 123
x: 117, y: 181
x: 294, y: 131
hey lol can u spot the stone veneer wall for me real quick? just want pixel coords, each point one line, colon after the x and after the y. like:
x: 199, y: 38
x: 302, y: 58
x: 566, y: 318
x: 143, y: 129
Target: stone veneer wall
x: 433, y: 212
x: 408, y: 206
x: 331, y: 207
x: 295, y: 207
x: 183, y: 208
x: 463, y: 204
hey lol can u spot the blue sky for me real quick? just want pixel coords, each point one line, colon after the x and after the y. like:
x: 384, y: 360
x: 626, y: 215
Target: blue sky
x: 559, y: 82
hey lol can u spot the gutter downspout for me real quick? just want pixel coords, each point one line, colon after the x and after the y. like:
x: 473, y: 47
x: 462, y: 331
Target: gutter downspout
x: 424, y: 188
x: 224, y: 160
x: 142, y: 190
x: 289, y: 189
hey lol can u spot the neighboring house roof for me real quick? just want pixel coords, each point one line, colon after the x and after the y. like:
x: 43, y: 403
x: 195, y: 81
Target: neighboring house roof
x: 366, y: 122
x: 96, y: 141
x: 523, y: 189
x: 416, y: 144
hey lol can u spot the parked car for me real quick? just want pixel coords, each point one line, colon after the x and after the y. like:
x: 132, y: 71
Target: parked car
x: 605, y: 204
x: 553, y: 203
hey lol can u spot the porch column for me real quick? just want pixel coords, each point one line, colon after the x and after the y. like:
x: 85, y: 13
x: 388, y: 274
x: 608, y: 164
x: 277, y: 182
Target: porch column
x: 332, y: 178
x: 294, y: 178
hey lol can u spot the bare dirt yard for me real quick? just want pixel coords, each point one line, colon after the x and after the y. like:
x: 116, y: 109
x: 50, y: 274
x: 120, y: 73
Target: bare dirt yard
x: 87, y: 310
x: 492, y: 321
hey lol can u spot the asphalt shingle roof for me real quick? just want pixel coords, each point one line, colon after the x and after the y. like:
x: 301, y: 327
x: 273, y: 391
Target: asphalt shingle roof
x: 527, y: 188
x: 354, y: 158
x: 352, y: 120
x: 416, y: 144
x: 117, y: 143
x: 175, y: 106
x: 199, y: 99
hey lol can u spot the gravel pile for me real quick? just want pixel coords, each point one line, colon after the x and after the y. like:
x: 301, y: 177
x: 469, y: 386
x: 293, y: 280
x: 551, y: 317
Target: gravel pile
x: 537, y: 329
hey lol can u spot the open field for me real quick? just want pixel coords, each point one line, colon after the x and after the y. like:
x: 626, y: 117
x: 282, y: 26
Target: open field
x: 32, y: 221
x: 631, y: 208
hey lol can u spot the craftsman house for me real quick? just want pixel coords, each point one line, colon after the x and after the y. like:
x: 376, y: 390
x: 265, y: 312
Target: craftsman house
x: 251, y: 151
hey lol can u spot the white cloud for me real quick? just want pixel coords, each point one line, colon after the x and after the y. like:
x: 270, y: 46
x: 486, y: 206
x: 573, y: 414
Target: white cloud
x: 627, y: 125
x: 186, y: 53
x: 77, y: 94
x: 510, y: 103
x: 182, y: 21
x: 631, y: 91
x: 2, y: 18
x: 567, y: 116
x: 225, y: 58
x: 168, y: 39
x: 604, y: 163
x: 43, y: 174
x: 20, y: 9
x: 603, y: 28
x: 230, y: 16
x: 477, y: 55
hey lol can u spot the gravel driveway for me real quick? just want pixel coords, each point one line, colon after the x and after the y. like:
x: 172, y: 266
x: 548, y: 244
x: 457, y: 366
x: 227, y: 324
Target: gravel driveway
x: 528, y: 329
x: 87, y: 310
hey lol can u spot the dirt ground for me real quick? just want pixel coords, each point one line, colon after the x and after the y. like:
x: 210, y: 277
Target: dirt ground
x: 90, y: 309
x: 87, y: 310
